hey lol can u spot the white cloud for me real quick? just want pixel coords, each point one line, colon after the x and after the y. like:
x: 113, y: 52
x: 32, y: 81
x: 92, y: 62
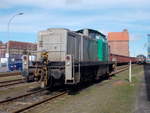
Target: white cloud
x: 76, y: 4
x: 35, y: 3
x: 33, y: 22
x: 107, y: 16
x: 135, y: 37
x: 42, y: 19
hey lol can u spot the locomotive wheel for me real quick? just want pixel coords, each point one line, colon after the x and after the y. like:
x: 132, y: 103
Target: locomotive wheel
x: 50, y: 83
x: 30, y: 78
x: 27, y: 79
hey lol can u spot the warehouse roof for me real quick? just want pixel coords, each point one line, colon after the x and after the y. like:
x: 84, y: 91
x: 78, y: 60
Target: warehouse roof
x: 21, y: 45
x: 113, y: 36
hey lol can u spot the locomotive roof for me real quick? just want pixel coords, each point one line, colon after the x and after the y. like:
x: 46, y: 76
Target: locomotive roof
x: 91, y: 30
x: 58, y: 29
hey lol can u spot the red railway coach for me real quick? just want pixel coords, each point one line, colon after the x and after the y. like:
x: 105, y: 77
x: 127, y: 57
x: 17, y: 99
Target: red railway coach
x: 120, y: 59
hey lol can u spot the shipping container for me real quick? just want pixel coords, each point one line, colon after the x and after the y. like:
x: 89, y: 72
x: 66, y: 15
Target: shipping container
x: 13, y: 66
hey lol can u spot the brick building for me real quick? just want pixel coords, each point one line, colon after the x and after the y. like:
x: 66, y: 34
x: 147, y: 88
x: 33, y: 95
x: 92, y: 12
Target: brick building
x: 3, y: 47
x: 15, y: 49
x: 11, y: 54
x: 119, y: 42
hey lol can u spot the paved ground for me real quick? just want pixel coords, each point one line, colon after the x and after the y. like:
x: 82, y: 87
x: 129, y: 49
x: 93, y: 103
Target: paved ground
x: 3, y: 69
x: 143, y: 98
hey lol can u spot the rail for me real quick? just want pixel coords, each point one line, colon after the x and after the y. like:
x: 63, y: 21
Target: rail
x: 51, y: 97
x: 7, y: 74
x: 11, y: 82
x: 40, y: 102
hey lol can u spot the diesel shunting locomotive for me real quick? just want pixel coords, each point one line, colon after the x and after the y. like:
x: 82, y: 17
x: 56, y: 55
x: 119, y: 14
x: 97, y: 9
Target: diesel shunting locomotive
x: 69, y: 57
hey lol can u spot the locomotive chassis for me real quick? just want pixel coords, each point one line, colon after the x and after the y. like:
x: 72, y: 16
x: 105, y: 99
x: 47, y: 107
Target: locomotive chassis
x: 81, y: 72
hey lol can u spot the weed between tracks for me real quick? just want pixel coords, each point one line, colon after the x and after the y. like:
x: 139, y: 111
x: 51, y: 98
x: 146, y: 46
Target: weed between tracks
x: 17, y: 90
x: 10, y: 78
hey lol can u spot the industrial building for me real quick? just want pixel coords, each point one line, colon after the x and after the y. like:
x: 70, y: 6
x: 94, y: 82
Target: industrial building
x: 119, y: 42
x: 15, y: 49
x: 12, y: 51
x: 3, y: 47
x: 3, y: 60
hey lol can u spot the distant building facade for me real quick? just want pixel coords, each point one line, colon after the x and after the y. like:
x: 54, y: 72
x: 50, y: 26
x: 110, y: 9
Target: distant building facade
x: 11, y: 54
x: 15, y: 49
x: 119, y: 42
x: 3, y: 47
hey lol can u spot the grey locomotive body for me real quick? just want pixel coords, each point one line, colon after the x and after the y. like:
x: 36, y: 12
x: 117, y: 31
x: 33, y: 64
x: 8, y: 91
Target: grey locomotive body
x: 61, y: 42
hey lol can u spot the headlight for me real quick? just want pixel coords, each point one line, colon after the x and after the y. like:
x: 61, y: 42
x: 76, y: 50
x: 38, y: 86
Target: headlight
x: 68, y: 63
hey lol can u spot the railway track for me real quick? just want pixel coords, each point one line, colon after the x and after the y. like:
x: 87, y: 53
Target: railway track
x: 11, y: 82
x: 7, y: 74
x: 40, y: 102
x: 20, y: 96
x: 120, y: 70
x: 60, y: 94
x: 9, y: 104
x: 27, y: 98
x: 121, y: 67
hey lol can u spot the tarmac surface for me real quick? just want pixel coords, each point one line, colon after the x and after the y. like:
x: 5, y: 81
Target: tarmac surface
x: 143, y: 97
x: 3, y: 69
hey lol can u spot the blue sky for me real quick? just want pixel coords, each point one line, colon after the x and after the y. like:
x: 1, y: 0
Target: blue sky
x: 105, y: 16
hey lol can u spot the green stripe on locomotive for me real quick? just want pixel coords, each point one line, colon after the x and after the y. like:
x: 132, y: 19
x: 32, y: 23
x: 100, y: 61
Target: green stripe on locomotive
x: 103, y: 51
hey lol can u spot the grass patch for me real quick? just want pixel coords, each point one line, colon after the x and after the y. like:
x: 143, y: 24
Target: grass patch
x: 124, y: 93
x: 110, y: 96
x: 10, y: 78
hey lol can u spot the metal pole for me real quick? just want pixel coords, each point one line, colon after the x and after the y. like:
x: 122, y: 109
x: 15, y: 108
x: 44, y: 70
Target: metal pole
x: 8, y: 30
x: 8, y: 27
x: 130, y: 76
